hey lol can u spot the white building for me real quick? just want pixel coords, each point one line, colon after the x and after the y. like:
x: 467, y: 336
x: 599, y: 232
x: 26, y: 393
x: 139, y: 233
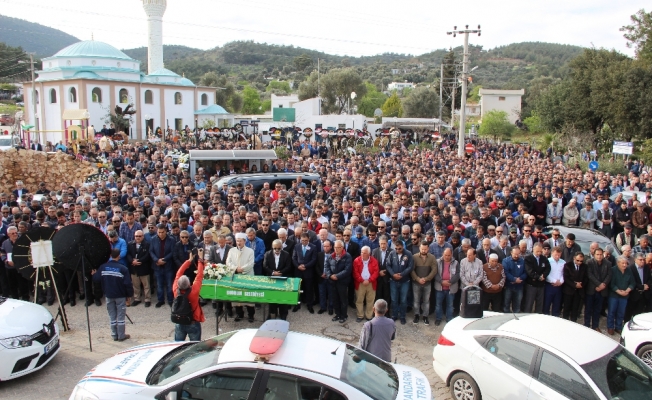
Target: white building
x: 284, y: 101
x: 502, y: 100
x: 398, y: 86
x: 95, y: 76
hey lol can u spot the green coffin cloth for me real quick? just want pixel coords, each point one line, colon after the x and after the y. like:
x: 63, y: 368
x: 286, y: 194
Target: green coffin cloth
x: 252, y: 289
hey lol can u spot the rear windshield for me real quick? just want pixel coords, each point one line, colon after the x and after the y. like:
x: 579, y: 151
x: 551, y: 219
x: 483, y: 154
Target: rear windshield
x: 491, y: 323
x: 5, y: 141
x: 369, y: 374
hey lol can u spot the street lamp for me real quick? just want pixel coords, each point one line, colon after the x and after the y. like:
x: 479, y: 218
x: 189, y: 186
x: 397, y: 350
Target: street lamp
x: 352, y: 98
x: 395, y: 121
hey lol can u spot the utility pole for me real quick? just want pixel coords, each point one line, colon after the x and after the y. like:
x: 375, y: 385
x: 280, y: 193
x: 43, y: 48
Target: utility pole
x: 441, y: 92
x: 465, y: 66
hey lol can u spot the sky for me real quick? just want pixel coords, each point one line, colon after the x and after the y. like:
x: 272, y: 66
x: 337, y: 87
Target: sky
x: 343, y: 27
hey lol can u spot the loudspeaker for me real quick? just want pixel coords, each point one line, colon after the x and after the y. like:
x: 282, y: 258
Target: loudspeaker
x: 470, y: 302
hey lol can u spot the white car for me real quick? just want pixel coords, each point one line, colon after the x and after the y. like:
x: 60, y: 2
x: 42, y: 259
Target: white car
x: 29, y: 338
x: 637, y: 337
x: 533, y: 357
x: 223, y: 367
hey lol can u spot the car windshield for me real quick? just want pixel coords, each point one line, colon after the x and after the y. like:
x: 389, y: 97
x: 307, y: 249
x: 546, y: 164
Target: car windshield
x: 369, y: 374
x: 5, y: 141
x: 621, y: 375
x: 187, y: 359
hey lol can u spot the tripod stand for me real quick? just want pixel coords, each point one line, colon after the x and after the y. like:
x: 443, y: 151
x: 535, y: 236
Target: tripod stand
x: 61, y: 309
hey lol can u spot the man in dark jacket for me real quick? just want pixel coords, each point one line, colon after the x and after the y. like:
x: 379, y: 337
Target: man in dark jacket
x: 277, y: 262
x: 339, y: 275
x: 537, y: 268
x: 575, y: 278
x: 139, y: 262
x: 324, y: 261
x: 161, y: 249
x: 597, y: 288
x: 399, y: 283
x: 116, y: 285
x: 181, y: 254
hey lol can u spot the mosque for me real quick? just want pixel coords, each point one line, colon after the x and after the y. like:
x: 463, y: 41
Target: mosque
x: 79, y: 84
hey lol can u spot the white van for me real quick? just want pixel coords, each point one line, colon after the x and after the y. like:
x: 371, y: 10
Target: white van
x: 8, y: 141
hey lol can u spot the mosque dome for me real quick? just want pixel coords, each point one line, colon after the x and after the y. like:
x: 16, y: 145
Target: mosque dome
x: 92, y: 48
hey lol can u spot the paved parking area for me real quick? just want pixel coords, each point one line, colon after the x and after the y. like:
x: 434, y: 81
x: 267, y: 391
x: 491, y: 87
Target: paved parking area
x: 413, y: 345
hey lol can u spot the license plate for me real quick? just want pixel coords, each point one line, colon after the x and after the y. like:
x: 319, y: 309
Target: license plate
x: 51, y: 345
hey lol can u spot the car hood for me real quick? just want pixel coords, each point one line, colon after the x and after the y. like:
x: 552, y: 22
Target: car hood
x: 126, y: 371
x: 644, y: 320
x: 19, y: 317
x: 413, y: 384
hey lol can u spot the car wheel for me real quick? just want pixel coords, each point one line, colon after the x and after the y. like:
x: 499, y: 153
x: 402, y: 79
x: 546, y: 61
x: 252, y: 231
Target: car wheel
x: 645, y: 354
x: 463, y: 387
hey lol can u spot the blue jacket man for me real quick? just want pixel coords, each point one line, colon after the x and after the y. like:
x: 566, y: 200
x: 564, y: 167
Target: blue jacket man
x: 120, y: 244
x: 258, y: 246
x: 117, y: 287
x: 399, y: 282
x: 515, y: 276
x: 161, y: 249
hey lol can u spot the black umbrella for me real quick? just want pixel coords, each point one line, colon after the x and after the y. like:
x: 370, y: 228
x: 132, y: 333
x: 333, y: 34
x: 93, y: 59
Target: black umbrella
x: 73, y: 242
x: 22, y: 254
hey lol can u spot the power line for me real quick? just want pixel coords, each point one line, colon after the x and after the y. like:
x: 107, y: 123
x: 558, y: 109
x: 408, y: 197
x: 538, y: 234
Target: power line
x: 122, y: 17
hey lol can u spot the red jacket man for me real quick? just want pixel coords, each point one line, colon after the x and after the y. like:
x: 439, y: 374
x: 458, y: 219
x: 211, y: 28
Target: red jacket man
x: 357, y: 271
x: 193, y: 297
x: 365, y: 275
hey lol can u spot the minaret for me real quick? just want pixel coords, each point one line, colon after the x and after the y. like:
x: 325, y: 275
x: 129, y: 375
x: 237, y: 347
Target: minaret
x: 154, y: 10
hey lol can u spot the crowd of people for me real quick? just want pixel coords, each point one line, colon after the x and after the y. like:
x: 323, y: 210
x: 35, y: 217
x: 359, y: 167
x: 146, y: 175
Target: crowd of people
x: 412, y: 228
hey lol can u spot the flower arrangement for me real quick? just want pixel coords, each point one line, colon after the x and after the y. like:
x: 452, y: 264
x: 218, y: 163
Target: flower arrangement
x: 216, y: 271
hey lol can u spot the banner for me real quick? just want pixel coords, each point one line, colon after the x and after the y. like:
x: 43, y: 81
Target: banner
x: 623, y: 148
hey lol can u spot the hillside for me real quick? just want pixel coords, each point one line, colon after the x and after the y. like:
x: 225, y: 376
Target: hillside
x: 32, y: 37
x: 510, y: 66
x: 170, y: 53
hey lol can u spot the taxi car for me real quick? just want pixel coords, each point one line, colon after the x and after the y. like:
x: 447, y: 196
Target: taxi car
x: 301, y: 366
x: 29, y: 338
x: 637, y: 337
x: 534, y: 356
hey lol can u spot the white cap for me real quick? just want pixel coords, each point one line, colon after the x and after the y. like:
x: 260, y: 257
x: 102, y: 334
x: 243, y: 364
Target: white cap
x: 241, y: 235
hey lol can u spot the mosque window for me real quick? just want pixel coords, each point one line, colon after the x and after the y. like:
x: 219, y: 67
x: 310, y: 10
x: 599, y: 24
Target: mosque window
x: 53, y: 96
x: 149, y: 98
x: 96, y: 95
x: 124, y: 96
x: 177, y: 98
x: 204, y: 99
x: 72, y: 95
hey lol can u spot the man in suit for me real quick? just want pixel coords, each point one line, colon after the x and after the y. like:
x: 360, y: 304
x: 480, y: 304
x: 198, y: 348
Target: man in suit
x: 241, y: 260
x: 277, y: 262
x: 161, y: 250
x: 639, y: 297
x: 286, y: 243
x: 324, y: 261
x: 537, y: 268
x: 220, y: 254
x: 353, y: 249
x: 575, y: 279
x: 502, y: 249
x: 139, y: 263
x: 485, y: 251
x: 20, y: 190
x: 386, y: 257
x: 304, y: 260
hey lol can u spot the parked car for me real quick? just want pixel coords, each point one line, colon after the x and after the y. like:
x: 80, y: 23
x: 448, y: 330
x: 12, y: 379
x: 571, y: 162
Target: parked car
x: 637, y: 337
x: 535, y: 356
x: 258, y: 179
x: 628, y: 194
x: 29, y: 338
x: 8, y: 141
x: 301, y: 366
x: 583, y: 237
x: 6, y: 119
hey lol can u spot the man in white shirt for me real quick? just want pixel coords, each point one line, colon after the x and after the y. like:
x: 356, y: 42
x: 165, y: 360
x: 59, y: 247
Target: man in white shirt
x: 554, y: 281
x: 241, y: 260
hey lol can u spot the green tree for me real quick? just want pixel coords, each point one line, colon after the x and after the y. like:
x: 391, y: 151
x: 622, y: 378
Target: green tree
x: 371, y: 101
x: 16, y: 67
x: 308, y: 89
x: 302, y: 62
x: 496, y: 125
x: 251, y: 101
x: 279, y: 87
x: 422, y: 102
x: 336, y: 88
x: 534, y: 124
x: 225, y: 94
x: 266, y: 105
x: 393, y: 106
x: 639, y: 35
